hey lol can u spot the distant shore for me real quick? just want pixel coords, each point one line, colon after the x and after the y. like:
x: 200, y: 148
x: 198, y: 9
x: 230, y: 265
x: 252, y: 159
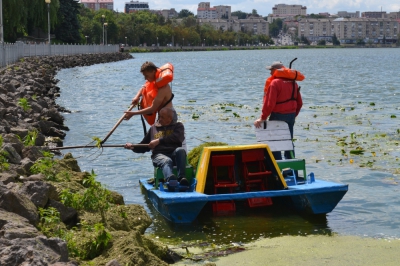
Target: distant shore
x: 146, y: 49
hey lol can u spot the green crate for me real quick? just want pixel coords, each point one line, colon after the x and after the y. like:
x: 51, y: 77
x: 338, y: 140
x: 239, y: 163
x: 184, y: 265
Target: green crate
x: 158, y: 174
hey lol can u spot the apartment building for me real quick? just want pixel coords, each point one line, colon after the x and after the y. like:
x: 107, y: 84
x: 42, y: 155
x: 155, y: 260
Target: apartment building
x: 169, y: 13
x: 373, y: 14
x: 98, y: 4
x: 350, y: 30
x: 205, y: 11
x: 134, y: 6
x: 315, y: 29
x: 345, y: 14
x: 284, y: 10
x: 375, y: 30
x: 252, y: 24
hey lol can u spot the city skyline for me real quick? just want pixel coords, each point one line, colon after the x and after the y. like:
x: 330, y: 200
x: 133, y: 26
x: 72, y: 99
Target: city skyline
x: 264, y: 7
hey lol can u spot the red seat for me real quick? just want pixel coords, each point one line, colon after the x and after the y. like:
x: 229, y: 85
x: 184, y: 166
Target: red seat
x: 255, y: 175
x: 228, y: 179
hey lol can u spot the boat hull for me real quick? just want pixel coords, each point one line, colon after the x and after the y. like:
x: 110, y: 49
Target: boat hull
x: 319, y: 197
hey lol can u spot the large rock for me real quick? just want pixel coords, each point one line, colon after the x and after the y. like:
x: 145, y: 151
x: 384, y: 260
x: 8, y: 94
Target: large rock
x: 53, y: 115
x: 21, y: 132
x: 15, y: 226
x: 38, y: 251
x: 38, y: 192
x: 14, y: 141
x: 11, y: 154
x: 17, y: 203
x: 8, y: 178
x: 33, y: 152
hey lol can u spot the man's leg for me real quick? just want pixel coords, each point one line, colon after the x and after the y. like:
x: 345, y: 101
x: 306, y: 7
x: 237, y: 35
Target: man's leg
x: 165, y: 163
x: 180, y: 160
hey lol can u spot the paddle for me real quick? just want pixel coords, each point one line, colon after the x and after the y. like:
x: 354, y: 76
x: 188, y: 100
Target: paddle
x: 102, y: 146
x: 116, y: 125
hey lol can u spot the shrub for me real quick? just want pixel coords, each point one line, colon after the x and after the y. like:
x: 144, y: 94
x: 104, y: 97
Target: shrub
x: 195, y: 153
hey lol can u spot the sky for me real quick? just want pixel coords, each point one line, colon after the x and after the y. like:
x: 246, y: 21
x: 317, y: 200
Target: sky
x: 264, y: 7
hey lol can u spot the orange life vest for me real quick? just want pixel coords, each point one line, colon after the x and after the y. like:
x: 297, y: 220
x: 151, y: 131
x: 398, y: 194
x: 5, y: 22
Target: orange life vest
x: 164, y: 75
x: 285, y: 73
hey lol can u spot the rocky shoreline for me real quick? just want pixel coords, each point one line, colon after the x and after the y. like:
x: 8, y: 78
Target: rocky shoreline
x: 51, y: 213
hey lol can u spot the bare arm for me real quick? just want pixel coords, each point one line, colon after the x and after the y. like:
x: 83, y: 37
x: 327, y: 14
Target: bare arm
x: 135, y: 99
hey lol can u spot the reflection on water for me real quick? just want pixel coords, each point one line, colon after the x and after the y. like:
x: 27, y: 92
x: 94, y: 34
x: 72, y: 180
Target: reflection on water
x: 243, y: 226
x: 345, y: 106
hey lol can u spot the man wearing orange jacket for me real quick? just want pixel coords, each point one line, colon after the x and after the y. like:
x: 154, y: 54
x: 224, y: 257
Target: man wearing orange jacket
x: 282, y: 101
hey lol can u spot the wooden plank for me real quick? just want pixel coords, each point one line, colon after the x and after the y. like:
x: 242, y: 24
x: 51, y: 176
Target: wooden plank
x: 276, y: 135
x: 285, y: 145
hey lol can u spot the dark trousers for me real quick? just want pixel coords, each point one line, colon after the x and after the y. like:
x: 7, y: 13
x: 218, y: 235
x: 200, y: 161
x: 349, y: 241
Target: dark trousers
x: 167, y: 161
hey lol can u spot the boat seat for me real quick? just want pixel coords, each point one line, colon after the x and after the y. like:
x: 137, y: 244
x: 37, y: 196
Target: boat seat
x: 294, y: 164
x: 255, y: 175
x: 254, y: 171
x: 158, y: 174
x: 227, y: 179
x: 224, y: 177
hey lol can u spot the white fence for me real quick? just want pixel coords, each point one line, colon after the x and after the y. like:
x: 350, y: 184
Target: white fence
x: 11, y: 53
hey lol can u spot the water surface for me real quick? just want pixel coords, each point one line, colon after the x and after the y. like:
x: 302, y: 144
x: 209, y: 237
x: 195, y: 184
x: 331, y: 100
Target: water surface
x: 350, y: 102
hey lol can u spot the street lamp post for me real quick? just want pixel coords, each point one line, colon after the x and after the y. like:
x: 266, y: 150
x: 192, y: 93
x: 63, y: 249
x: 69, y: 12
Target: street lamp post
x: 102, y: 22
x: 157, y: 41
x: 219, y: 42
x: 126, y: 42
x: 183, y: 41
x: 48, y: 21
x: 86, y: 38
x: 105, y: 28
x: 1, y: 23
x: 204, y: 42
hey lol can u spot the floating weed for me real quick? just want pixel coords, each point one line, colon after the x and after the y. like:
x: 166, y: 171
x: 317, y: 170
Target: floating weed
x: 192, y: 101
x: 372, y: 104
x: 357, y: 151
x: 393, y: 116
x: 195, y: 116
x: 236, y: 114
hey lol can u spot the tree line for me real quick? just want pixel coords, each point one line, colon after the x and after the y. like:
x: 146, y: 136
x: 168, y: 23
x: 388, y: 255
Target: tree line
x: 71, y: 22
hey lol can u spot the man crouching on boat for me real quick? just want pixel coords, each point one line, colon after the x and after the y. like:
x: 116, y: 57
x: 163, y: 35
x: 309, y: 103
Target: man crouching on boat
x: 165, y: 141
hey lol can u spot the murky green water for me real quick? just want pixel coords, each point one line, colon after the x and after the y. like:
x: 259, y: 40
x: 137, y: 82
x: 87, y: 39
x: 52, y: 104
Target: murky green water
x: 348, y: 131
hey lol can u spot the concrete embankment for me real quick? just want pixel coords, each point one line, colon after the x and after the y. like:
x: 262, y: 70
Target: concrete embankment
x: 45, y: 201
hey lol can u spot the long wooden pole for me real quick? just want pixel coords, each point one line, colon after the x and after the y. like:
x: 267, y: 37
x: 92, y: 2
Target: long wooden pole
x: 116, y: 125
x: 103, y: 146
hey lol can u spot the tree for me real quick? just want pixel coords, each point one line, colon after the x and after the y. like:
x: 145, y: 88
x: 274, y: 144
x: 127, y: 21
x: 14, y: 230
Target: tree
x: 321, y: 42
x: 254, y: 13
x: 305, y: 40
x: 184, y: 13
x: 335, y: 40
x: 67, y: 30
x: 189, y: 21
x: 360, y: 42
x: 239, y: 14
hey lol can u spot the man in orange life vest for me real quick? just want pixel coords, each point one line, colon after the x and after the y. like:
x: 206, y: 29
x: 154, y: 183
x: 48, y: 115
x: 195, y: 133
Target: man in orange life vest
x: 282, y: 101
x: 161, y: 97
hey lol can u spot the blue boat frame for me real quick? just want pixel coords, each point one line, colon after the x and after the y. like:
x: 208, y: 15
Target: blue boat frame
x: 319, y: 197
x: 312, y: 196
